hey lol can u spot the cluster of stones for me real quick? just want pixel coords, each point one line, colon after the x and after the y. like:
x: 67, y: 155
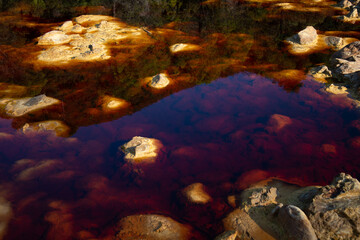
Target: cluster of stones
x: 277, y: 210
x: 353, y: 7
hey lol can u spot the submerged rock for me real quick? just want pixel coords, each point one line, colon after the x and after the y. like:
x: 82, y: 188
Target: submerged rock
x: 141, y: 149
x: 296, y: 223
x: 195, y: 193
x: 53, y: 126
x: 336, y: 42
x: 5, y: 216
x: 335, y: 210
x: 151, y: 227
x: 54, y: 38
x: 159, y: 81
x: 20, y: 107
x: 277, y: 122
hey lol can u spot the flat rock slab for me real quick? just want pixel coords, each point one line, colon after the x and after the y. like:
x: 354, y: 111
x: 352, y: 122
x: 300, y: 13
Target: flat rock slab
x: 22, y: 106
x: 141, y: 150
x: 151, y: 227
x: 53, y: 38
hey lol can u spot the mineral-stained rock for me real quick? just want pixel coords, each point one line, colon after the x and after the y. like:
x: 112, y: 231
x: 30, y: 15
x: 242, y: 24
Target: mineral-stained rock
x: 305, y: 37
x: 141, y: 149
x: 335, y: 211
x: 53, y: 38
x: 195, y: 193
x: 262, y: 197
x: 22, y: 106
x: 159, y: 81
x: 151, y: 227
x: 350, y: 52
x: 184, y: 47
x: 227, y: 235
x: 54, y: 126
x: 66, y: 26
x: 92, y: 18
x: 336, y: 42
x: 296, y: 223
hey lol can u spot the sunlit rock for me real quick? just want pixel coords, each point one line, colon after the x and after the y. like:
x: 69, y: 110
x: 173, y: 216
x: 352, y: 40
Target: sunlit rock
x: 5, y: 216
x: 92, y: 18
x: 141, y: 149
x: 334, y: 89
x: 54, y: 38
x: 277, y: 122
x: 22, y: 106
x: 227, y: 235
x: 52, y: 126
x: 159, y: 81
x: 261, y: 197
x: 346, y: 62
x: 344, y: 4
x: 151, y: 227
x: 305, y: 37
x: 184, y: 47
x: 112, y: 103
x: 335, y: 42
x: 195, y: 193
x: 296, y: 223
x: 335, y: 210
x: 77, y: 29
x: 66, y: 26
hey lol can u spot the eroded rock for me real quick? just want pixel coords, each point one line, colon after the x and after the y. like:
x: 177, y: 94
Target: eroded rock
x: 22, y: 106
x: 54, y: 38
x: 195, y: 193
x: 227, y: 235
x: 305, y: 37
x: 335, y: 42
x: 141, y: 149
x: 335, y: 210
x: 151, y: 227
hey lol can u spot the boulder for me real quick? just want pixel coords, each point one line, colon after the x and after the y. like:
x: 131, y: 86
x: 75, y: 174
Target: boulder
x: 51, y: 126
x: 159, y: 81
x: 151, y: 227
x: 262, y: 197
x: 305, y: 37
x: 54, y: 38
x: 350, y: 52
x: 345, y: 63
x: 22, y: 106
x: 296, y: 223
x: 195, y: 193
x: 141, y: 150
x: 335, y: 211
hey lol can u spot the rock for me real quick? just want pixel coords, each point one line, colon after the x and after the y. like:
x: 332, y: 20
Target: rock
x: 77, y: 29
x: 336, y: 89
x: 296, y: 223
x: 335, y: 211
x: 22, y: 106
x: 151, y: 227
x: 112, y: 103
x: 353, y: 13
x: 53, y: 38
x: 141, y: 149
x: 5, y: 216
x: 184, y: 47
x: 66, y: 26
x: 320, y: 72
x: 53, y: 126
x: 305, y: 37
x: 350, y: 52
x: 335, y: 42
x: 92, y: 18
x: 262, y: 197
x: 227, y: 235
x: 195, y: 193
x: 277, y: 122
x: 159, y: 81
x: 345, y: 4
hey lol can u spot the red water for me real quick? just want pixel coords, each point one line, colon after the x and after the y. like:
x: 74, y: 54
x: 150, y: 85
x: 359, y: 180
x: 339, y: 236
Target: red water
x: 211, y: 133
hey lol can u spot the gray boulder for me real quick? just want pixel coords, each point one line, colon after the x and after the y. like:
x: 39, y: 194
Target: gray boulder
x: 306, y: 36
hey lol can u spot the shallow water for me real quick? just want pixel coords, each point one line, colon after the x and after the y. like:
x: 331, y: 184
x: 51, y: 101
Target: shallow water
x: 216, y: 122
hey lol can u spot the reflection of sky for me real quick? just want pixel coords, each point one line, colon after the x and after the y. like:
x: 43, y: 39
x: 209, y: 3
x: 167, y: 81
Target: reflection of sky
x: 212, y: 134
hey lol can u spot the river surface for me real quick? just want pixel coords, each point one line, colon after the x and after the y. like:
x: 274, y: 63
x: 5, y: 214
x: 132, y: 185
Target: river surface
x: 215, y: 126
